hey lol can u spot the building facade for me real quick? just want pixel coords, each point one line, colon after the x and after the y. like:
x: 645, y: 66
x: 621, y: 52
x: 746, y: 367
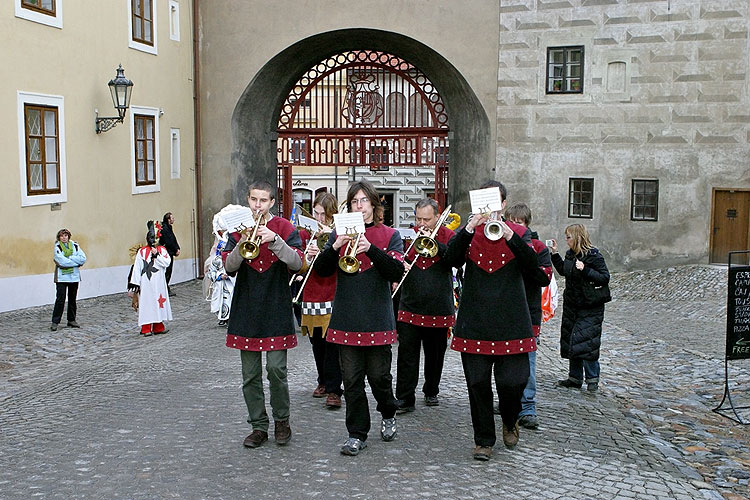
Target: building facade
x: 58, y: 172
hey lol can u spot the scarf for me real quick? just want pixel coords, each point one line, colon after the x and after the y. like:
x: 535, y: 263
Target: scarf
x: 67, y: 250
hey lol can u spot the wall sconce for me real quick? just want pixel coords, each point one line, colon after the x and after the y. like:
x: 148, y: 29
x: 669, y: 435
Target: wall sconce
x: 121, y: 89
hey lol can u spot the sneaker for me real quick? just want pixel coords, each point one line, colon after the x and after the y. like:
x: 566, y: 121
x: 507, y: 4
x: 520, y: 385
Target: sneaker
x: 73, y: 324
x: 333, y: 400
x: 569, y: 383
x: 353, y: 446
x: 388, y: 429
x: 592, y: 386
x: 282, y: 433
x: 482, y: 453
x: 529, y: 421
x: 510, y: 436
x: 320, y: 391
x: 255, y: 439
x: 222, y: 322
x: 431, y: 401
x: 53, y: 327
x: 402, y: 407
x: 147, y: 334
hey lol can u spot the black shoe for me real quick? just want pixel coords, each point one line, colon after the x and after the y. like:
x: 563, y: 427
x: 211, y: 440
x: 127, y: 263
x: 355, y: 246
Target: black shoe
x: 569, y: 383
x: 73, y: 324
x: 402, y: 407
x: 431, y: 401
x: 592, y: 386
x: 53, y: 327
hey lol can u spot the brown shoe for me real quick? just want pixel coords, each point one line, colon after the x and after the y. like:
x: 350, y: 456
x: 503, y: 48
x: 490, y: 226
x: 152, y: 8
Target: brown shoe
x: 255, y: 439
x: 482, y: 453
x: 333, y: 400
x: 282, y: 433
x: 510, y: 436
x: 320, y: 391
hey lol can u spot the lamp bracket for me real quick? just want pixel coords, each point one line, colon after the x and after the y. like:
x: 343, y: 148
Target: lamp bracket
x: 105, y: 123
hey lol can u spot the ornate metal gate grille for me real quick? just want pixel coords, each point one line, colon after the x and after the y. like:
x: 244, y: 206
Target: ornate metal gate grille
x: 362, y: 108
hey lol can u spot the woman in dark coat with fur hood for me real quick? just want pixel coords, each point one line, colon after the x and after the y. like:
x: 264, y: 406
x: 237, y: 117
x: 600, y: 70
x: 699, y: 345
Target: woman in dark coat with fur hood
x: 581, y: 331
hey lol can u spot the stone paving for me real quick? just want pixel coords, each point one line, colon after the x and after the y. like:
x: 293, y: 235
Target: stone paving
x: 100, y: 412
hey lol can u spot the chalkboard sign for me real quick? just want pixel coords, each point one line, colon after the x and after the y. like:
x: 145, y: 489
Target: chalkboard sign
x: 738, y: 313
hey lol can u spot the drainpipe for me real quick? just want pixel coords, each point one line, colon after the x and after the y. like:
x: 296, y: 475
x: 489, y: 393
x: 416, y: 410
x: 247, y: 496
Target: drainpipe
x: 197, y: 136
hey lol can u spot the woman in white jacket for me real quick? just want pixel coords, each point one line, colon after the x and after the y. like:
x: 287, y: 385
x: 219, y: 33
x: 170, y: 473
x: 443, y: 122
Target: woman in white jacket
x: 68, y: 258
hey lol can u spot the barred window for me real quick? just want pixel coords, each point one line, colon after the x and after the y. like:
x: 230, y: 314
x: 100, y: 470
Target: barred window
x: 644, y: 202
x: 42, y: 150
x: 565, y: 70
x: 581, y: 198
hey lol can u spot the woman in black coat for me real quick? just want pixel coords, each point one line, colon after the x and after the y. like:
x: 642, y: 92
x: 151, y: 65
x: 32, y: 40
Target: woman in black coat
x: 581, y: 331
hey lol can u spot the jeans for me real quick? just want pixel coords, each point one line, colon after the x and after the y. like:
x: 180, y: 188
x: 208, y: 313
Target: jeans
x: 57, y: 312
x: 410, y: 339
x: 580, y: 366
x: 528, y: 400
x: 252, y: 387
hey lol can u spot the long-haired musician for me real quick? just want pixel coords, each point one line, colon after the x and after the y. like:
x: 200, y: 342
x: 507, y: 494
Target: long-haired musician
x: 261, y: 318
x: 362, y: 322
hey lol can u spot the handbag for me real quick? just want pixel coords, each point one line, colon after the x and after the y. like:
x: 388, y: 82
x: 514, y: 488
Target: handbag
x: 595, y: 295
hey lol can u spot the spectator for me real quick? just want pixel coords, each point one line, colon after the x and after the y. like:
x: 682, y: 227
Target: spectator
x: 169, y: 241
x: 68, y: 258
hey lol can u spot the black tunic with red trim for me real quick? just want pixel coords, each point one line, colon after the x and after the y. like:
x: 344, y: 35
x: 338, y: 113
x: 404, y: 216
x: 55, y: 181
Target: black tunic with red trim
x: 494, y: 316
x: 535, y: 281
x: 317, y: 297
x: 261, y: 317
x: 362, y: 307
x: 427, y: 292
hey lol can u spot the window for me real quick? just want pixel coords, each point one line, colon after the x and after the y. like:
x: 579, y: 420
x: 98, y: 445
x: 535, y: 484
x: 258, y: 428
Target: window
x: 144, y: 147
x: 142, y: 24
x: 174, y: 20
x: 644, y: 204
x: 47, y: 12
x: 581, y: 198
x: 174, y: 133
x: 379, y: 157
x: 565, y: 70
x: 298, y: 150
x: 41, y: 146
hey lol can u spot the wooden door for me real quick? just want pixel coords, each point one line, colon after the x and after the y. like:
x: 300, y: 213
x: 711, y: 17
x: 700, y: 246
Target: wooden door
x: 731, y: 223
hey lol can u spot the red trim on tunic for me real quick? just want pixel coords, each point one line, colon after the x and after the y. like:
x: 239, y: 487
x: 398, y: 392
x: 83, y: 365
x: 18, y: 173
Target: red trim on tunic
x: 493, y: 347
x: 261, y: 344
x: 361, y: 338
x: 424, y: 320
x: 492, y: 256
x: 536, y: 329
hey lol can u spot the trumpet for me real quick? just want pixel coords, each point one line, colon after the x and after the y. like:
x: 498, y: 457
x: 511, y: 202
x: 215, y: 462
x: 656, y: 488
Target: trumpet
x: 250, y: 248
x: 426, y: 246
x: 348, y: 262
x: 493, y: 230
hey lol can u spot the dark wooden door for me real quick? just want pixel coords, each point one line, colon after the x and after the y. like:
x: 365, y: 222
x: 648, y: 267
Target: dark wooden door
x: 731, y: 224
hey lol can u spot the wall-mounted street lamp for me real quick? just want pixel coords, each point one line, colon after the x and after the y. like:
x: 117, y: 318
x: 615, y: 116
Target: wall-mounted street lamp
x: 121, y: 89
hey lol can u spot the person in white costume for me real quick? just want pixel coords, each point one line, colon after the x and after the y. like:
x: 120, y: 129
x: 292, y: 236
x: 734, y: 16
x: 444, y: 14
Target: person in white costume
x: 149, y: 283
x: 221, y: 284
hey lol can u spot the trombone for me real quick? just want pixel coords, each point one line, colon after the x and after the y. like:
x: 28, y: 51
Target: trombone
x: 424, y: 246
x: 250, y: 248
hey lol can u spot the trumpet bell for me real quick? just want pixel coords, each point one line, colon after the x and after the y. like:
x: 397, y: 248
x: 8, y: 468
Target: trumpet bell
x: 493, y: 231
x: 426, y: 247
x: 249, y: 250
x: 349, y: 264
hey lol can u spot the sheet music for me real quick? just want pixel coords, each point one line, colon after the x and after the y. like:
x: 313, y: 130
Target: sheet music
x: 407, y: 233
x: 348, y: 223
x: 308, y: 223
x: 485, y: 200
x: 236, y: 220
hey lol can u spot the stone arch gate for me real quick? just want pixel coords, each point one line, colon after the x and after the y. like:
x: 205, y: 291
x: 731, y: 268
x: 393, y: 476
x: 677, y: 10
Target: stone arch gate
x: 369, y: 111
x: 256, y: 115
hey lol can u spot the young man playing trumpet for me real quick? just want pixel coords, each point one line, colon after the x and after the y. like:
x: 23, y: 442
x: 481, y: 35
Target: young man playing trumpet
x: 496, y: 258
x: 261, y: 318
x: 362, y: 322
x: 425, y: 312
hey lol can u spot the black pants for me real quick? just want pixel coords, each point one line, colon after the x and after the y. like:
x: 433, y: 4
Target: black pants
x: 72, y: 289
x: 410, y: 339
x: 511, y: 375
x: 326, y: 356
x: 375, y: 363
x: 168, y: 272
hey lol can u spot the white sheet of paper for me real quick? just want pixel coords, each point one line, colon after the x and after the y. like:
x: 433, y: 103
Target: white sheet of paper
x: 308, y: 223
x: 485, y: 200
x: 238, y: 219
x: 407, y: 233
x: 348, y: 223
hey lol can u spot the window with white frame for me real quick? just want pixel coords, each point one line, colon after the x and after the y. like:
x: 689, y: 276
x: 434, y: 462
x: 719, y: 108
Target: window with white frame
x: 174, y: 20
x: 48, y: 12
x: 144, y: 148
x: 142, y: 25
x: 174, y: 134
x: 41, y: 146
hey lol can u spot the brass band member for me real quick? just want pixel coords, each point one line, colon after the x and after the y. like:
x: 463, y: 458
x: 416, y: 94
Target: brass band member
x: 261, y: 318
x: 425, y: 314
x: 493, y: 328
x: 362, y: 322
x: 317, y: 304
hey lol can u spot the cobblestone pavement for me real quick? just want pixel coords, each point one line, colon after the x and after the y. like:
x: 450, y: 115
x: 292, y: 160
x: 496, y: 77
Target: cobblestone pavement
x: 100, y: 412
